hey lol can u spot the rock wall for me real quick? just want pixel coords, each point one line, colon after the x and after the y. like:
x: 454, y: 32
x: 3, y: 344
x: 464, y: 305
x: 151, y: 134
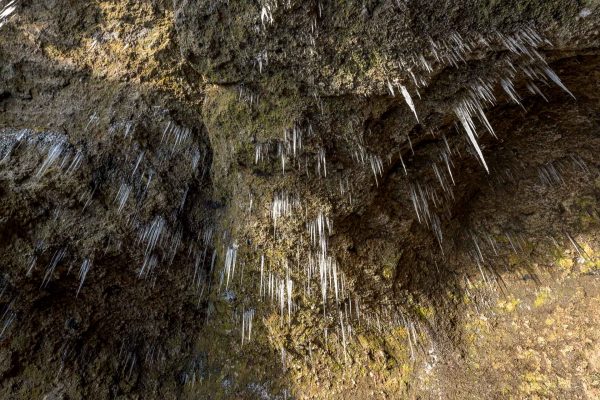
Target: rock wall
x: 283, y: 199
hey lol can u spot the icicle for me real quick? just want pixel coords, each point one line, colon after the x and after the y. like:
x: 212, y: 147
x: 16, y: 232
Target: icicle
x: 508, y: 87
x: 376, y: 167
x: 469, y: 127
x: 6, y: 12
x: 578, y: 248
x: 85, y: 268
x: 409, y: 101
x: 321, y: 163
x: 289, y: 286
x: 151, y: 236
x: 535, y: 90
x: 390, y: 88
x: 56, y: 259
x: 403, y: 166
x: 137, y: 164
x: 446, y: 159
x: 55, y: 152
x: 262, y: 266
x: 75, y: 163
x: 343, y: 337
x: 410, y: 144
x: 230, y: 260
x: 552, y: 75
x: 335, y: 281
x: 122, y: 196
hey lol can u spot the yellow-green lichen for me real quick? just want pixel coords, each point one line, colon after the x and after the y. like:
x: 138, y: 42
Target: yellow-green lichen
x: 509, y: 304
x: 542, y: 297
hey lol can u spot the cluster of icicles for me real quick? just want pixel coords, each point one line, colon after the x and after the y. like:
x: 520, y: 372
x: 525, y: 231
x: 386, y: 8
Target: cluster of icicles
x: 6, y: 10
x: 319, y: 270
x: 160, y: 239
x: 143, y: 170
x: 279, y: 284
x: 522, y: 60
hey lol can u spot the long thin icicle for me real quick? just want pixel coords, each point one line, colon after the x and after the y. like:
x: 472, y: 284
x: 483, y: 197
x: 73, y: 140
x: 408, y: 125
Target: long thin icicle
x: 409, y: 100
x: 467, y: 123
x: 552, y: 75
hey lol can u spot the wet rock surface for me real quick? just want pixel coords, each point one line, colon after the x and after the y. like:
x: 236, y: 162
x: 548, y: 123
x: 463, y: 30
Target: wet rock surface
x: 283, y: 199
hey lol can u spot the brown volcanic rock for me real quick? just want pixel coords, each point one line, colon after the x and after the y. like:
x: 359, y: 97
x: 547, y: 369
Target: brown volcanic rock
x: 145, y: 145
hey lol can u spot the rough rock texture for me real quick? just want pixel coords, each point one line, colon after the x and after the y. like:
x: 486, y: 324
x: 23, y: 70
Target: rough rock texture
x: 87, y: 168
x: 299, y: 199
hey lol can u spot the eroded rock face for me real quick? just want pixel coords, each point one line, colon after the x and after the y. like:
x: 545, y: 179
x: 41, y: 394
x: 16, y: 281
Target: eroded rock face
x: 234, y: 199
x: 388, y: 99
x: 347, y: 47
x: 105, y: 187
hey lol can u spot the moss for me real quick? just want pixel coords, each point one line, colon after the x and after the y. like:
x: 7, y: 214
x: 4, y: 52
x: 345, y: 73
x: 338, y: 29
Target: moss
x: 536, y: 383
x: 388, y: 271
x: 542, y: 297
x: 565, y: 263
x: 425, y: 311
x: 590, y: 267
x: 509, y: 305
x: 234, y: 126
x: 228, y: 115
x: 592, y: 262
